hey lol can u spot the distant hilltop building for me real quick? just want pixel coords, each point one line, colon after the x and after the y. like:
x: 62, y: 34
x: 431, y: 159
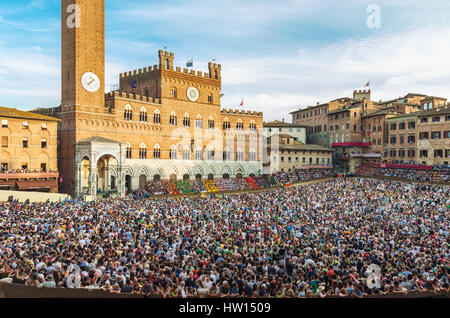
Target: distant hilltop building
x: 410, y: 129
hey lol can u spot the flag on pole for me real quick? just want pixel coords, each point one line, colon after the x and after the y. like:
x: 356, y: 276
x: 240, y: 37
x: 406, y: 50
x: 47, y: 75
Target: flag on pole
x: 367, y: 85
x: 190, y: 63
x: 242, y: 102
x: 133, y: 84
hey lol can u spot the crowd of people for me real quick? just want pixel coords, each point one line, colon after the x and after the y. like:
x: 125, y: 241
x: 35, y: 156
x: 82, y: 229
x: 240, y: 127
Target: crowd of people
x: 441, y: 175
x: 198, y: 186
x: 346, y: 237
x: 4, y: 170
x: 298, y: 175
x: 164, y: 187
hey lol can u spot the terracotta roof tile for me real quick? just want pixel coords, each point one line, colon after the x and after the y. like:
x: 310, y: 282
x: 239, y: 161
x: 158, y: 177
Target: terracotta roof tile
x: 15, y: 113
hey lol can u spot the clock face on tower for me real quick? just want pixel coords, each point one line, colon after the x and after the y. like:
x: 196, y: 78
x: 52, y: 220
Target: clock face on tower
x: 193, y: 94
x: 90, y: 82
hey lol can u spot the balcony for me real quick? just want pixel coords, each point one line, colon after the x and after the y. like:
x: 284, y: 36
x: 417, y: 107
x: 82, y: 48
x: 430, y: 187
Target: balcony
x: 366, y: 155
x: 29, y: 180
x: 28, y: 175
x: 350, y: 144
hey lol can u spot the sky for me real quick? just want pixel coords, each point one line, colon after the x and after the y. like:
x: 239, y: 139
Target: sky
x: 278, y: 56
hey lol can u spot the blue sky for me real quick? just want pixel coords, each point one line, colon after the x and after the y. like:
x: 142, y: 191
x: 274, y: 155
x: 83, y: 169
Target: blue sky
x: 277, y: 55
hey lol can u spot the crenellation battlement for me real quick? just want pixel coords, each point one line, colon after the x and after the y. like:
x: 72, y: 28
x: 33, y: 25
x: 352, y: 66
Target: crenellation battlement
x: 362, y: 91
x: 241, y: 112
x: 140, y: 71
x: 47, y: 111
x: 166, y: 62
x: 132, y: 96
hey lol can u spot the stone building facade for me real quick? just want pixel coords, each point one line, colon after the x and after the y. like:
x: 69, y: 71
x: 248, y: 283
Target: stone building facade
x: 402, y: 138
x: 433, y: 131
x: 421, y: 136
x: 28, y: 154
x: 164, y: 122
x: 285, y: 153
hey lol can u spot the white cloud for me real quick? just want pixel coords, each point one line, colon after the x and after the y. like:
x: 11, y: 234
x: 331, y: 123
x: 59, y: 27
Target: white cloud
x: 38, y: 4
x: 28, y: 78
x: 395, y: 63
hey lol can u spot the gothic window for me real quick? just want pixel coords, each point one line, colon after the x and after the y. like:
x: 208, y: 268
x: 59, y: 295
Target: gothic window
x: 143, y: 115
x: 128, y: 151
x: 128, y: 113
x: 186, y: 153
x: 226, y: 124
x: 156, y: 152
x: 173, y: 119
x: 143, y: 151
x: 186, y: 120
x: 157, y: 117
x: 173, y: 152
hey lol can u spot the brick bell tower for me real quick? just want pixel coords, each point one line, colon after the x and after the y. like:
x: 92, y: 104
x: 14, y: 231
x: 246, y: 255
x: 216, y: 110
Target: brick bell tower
x: 82, y: 75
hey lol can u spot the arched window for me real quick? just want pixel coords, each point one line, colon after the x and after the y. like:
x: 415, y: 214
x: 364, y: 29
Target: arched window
x: 173, y: 93
x: 226, y: 154
x: 142, y: 151
x: 252, y: 126
x: 156, y: 152
x: 128, y: 113
x: 128, y: 151
x: 211, y: 153
x: 186, y: 153
x: 240, y: 155
x: 252, y: 155
x: 186, y: 120
x: 198, y: 153
x: 156, y: 117
x: 240, y: 125
x: 173, y: 119
x: 210, y: 98
x: 198, y: 122
x: 226, y: 124
x: 143, y: 115
x: 211, y: 122
x: 173, y: 152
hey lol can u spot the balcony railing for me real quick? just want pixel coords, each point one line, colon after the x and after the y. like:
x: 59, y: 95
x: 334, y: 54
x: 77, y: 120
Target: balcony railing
x: 28, y: 175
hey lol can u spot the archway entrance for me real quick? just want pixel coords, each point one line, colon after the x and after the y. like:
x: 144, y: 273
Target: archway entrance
x: 127, y: 184
x: 156, y: 177
x: 198, y: 177
x: 186, y: 177
x: 113, y: 183
x: 210, y: 176
x: 252, y: 175
x: 85, y: 175
x: 173, y: 177
x: 226, y: 176
x: 142, y: 182
x: 239, y: 176
x: 106, y: 166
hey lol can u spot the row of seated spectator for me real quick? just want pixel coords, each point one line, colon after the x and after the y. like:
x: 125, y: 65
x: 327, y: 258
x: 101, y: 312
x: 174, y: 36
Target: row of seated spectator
x: 248, y: 183
x: 297, y: 175
x: 27, y: 171
x: 199, y: 186
x: 438, y: 175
